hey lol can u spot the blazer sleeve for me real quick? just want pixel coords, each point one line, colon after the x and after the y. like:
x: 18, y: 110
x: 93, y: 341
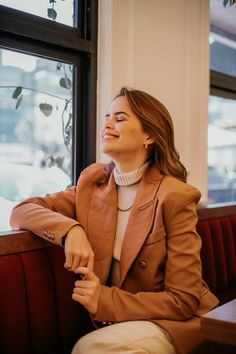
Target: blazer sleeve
x: 180, y: 297
x: 50, y: 217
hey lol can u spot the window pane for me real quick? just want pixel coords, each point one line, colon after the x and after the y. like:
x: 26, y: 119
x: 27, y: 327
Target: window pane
x: 222, y: 38
x: 61, y: 11
x: 221, y: 150
x: 35, y: 128
x: 223, y: 54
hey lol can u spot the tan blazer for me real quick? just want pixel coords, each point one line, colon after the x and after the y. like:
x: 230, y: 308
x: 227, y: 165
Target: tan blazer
x: 160, y: 263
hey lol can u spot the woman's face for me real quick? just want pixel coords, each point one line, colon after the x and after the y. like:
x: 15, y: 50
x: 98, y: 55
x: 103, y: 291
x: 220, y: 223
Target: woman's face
x: 122, y: 135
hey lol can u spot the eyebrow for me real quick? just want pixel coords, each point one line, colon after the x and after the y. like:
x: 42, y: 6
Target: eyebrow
x: 117, y: 113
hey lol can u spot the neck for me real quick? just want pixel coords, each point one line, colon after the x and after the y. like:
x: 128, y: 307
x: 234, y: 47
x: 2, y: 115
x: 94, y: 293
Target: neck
x: 126, y: 161
x: 127, y: 166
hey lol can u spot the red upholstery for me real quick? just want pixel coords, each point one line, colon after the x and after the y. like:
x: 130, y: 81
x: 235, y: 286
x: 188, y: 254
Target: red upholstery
x: 37, y: 314
x: 218, y: 255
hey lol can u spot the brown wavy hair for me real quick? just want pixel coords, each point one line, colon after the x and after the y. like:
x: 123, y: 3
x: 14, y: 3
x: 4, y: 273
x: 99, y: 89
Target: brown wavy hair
x: 156, y: 121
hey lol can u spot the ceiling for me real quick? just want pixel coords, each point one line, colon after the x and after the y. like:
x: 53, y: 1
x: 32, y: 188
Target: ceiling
x: 223, y: 17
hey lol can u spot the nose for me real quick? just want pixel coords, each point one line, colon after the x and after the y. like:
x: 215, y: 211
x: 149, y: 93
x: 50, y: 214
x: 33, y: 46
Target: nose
x: 109, y: 122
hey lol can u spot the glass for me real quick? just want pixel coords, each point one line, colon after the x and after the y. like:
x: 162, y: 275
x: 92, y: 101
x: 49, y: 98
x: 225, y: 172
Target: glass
x: 35, y: 128
x: 222, y: 38
x: 223, y: 54
x: 61, y: 11
x: 221, y: 150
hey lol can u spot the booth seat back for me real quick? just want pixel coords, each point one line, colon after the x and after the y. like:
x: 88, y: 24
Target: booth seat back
x: 37, y: 313
x: 218, y: 255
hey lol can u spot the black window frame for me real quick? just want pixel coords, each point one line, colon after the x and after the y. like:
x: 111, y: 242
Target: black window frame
x: 34, y: 35
x: 222, y: 85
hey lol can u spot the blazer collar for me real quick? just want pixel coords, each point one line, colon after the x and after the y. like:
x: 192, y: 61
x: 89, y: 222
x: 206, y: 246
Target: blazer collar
x: 147, y: 190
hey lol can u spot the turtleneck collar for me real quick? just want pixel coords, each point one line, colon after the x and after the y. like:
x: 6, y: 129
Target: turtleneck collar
x: 131, y: 177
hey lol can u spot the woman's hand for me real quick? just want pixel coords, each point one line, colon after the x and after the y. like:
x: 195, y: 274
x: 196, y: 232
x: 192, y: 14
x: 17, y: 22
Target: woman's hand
x: 87, y: 290
x: 78, y: 251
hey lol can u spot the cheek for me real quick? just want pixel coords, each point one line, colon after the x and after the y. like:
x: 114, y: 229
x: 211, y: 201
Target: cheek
x: 136, y: 136
x: 132, y: 132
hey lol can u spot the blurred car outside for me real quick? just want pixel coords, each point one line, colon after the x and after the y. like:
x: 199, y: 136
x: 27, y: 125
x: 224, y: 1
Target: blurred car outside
x: 19, y: 182
x: 221, y: 186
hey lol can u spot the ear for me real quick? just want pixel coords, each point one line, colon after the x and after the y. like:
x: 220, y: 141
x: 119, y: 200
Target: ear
x: 149, y: 140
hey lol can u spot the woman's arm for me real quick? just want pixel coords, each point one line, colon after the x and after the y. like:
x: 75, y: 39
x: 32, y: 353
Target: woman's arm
x: 53, y: 217
x: 50, y: 217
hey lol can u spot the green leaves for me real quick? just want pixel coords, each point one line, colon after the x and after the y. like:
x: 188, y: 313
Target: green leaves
x: 17, y: 92
x: 229, y: 2
x: 51, y: 11
x: 65, y: 83
x: 18, y: 102
x: 17, y: 96
x: 46, y: 109
x: 59, y: 65
x: 52, y: 14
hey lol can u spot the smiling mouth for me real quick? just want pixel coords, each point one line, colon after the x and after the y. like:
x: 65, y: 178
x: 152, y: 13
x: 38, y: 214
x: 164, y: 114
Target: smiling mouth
x: 107, y: 136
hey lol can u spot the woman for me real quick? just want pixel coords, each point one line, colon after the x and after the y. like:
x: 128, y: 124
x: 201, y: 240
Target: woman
x: 128, y: 229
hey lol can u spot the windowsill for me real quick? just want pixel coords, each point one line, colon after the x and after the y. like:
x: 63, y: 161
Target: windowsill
x: 20, y: 241
x: 12, y: 232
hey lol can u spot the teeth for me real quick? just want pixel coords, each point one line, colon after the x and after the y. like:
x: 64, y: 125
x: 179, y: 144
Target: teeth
x: 108, y: 136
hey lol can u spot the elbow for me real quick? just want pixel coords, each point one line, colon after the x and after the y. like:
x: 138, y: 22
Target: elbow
x: 186, y: 306
x: 13, y: 220
x: 188, y: 310
x: 189, y: 307
x: 15, y: 217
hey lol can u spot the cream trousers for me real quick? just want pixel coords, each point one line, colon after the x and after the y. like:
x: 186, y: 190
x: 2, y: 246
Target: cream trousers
x: 132, y: 337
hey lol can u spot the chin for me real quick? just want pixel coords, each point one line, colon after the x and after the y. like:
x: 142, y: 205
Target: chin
x: 107, y: 151
x: 106, y: 147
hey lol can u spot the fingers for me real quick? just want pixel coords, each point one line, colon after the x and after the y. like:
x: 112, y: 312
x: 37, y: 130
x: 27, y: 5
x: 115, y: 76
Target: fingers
x: 84, y: 259
x: 87, y: 291
x: 85, y: 272
x: 83, y: 286
x: 79, y: 298
x: 77, y: 260
x: 69, y: 261
x: 78, y: 250
x: 74, y: 261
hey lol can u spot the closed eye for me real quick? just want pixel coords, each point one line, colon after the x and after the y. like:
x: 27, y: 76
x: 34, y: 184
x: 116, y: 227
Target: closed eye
x: 120, y: 118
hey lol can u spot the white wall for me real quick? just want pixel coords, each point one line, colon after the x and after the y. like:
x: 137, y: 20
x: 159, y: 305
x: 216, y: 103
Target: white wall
x: 160, y: 47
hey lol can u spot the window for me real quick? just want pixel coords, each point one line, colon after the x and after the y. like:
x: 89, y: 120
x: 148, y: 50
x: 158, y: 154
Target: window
x: 222, y: 105
x: 47, y: 96
x: 221, y: 150
x: 60, y: 10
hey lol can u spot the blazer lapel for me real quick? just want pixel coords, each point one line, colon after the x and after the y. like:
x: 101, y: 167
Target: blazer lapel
x: 102, y: 218
x: 140, y: 220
